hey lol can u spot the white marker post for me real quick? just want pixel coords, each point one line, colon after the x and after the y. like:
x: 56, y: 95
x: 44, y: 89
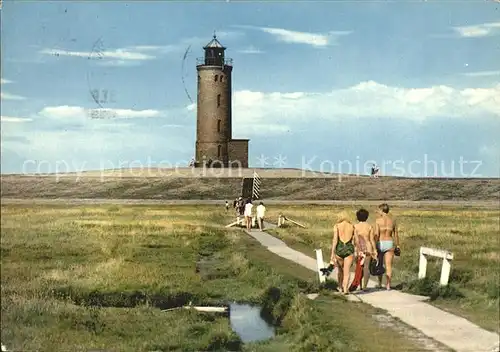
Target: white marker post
x: 281, y: 220
x: 321, y: 265
x: 445, y: 269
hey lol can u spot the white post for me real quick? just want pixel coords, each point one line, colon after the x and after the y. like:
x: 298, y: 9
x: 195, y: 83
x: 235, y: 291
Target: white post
x: 321, y: 264
x: 422, y: 265
x: 445, y: 272
x: 280, y: 220
x: 445, y: 269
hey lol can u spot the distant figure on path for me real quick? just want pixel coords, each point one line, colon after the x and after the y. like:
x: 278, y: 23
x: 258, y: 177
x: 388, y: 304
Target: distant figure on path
x: 343, y: 248
x: 261, y: 213
x: 227, y: 205
x: 248, y: 214
x: 386, y: 235
x: 367, y: 248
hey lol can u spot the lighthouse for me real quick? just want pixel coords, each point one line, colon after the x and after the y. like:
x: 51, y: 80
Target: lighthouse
x: 215, y: 146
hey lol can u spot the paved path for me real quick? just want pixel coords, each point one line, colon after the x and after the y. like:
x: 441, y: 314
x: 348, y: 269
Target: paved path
x: 455, y: 332
x: 396, y: 203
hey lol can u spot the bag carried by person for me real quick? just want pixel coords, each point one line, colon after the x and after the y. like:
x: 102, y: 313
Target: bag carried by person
x: 397, y: 251
x: 377, y: 265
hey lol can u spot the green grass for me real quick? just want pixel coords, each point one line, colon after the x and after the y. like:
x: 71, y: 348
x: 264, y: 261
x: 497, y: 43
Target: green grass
x: 96, y: 277
x: 471, y: 234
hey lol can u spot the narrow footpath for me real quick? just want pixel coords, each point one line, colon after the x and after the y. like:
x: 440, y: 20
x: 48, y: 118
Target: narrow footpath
x: 452, y: 331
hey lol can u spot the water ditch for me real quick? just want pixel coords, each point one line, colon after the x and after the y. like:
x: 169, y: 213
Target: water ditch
x: 247, y: 322
x: 245, y: 319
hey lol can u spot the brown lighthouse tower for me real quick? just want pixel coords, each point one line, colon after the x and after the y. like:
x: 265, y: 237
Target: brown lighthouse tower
x: 214, y: 144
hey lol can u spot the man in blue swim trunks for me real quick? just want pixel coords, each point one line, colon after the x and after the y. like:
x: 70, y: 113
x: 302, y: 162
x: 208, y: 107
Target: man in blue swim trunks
x: 387, y: 237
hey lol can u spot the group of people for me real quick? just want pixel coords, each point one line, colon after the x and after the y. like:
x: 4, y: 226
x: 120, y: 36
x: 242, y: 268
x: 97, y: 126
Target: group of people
x: 359, y: 243
x: 363, y: 242
x: 244, y: 208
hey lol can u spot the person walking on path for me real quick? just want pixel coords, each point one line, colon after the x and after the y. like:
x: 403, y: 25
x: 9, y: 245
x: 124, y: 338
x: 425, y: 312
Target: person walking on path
x: 261, y: 213
x: 344, y: 246
x: 248, y: 213
x: 366, y: 249
x: 387, y: 237
x: 240, y: 208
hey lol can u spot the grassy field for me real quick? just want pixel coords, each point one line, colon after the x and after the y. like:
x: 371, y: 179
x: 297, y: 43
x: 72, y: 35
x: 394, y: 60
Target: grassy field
x: 348, y: 188
x: 77, y: 278
x: 471, y: 234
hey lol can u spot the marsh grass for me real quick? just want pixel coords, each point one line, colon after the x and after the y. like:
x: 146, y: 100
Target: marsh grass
x: 471, y: 234
x: 96, y: 277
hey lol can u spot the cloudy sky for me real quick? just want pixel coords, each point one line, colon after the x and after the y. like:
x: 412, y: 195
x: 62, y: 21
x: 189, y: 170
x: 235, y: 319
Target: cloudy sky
x: 411, y: 86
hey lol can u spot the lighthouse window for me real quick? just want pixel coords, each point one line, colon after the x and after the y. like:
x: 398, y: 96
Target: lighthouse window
x: 218, y: 100
x: 218, y: 125
x: 221, y: 77
x: 219, y: 148
x: 216, y: 78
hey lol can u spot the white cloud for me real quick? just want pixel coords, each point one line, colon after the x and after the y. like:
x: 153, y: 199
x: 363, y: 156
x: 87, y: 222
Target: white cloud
x: 229, y: 34
x: 126, y: 56
x: 275, y: 112
x: 72, y: 113
x: 14, y: 119
x: 90, y: 148
x: 128, y: 113
x: 250, y: 50
x: 118, y: 63
x: 7, y: 96
x: 63, y: 112
x: 93, y: 145
x: 479, y: 30
x: 120, y: 54
x: 314, y: 39
x: 482, y: 74
x: 169, y: 125
x: 135, y: 54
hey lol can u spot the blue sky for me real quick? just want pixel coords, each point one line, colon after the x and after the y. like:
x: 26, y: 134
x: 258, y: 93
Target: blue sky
x: 319, y: 85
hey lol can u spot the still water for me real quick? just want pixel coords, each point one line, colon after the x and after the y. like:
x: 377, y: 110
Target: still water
x: 247, y: 323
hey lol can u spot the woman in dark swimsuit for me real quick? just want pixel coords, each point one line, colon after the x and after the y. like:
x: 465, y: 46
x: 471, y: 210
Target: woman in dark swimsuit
x: 344, y: 246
